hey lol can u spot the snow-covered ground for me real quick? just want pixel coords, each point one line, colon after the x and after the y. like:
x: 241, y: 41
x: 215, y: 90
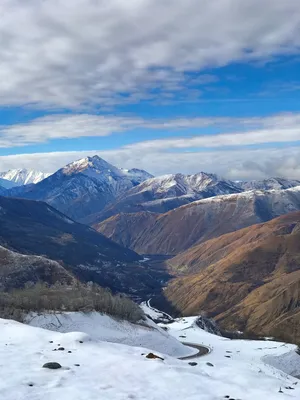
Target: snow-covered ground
x: 94, y: 369
x: 105, y: 328
x: 244, y: 363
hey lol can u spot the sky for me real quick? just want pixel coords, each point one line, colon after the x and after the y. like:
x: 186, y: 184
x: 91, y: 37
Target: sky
x: 166, y: 86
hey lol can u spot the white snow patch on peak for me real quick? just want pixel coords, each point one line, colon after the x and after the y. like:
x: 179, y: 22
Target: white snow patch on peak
x: 23, y: 176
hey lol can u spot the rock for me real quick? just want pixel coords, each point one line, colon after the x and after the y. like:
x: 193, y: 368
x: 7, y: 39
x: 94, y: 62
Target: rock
x: 210, y: 364
x: 69, y: 351
x: 193, y: 364
x: 154, y: 356
x: 80, y: 341
x: 52, y: 365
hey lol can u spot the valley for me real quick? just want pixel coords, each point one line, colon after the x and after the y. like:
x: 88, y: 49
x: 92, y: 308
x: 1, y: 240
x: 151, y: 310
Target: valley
x: 222, y: 249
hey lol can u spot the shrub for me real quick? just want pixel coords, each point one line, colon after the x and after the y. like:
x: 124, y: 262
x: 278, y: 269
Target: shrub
x: 85, y: 298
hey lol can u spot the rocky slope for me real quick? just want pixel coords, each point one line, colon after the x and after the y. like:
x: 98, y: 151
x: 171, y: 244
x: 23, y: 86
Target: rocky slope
x: 247, y: 280
x: 82, y: 187
x: 19, y: 177
x: 182, y: 228
x: 35, y: 228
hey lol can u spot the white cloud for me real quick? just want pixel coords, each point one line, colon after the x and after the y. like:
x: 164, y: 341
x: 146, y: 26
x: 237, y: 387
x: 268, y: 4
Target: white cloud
x: 234, y: 164
x: 236, y: 131
x: 75, y: 52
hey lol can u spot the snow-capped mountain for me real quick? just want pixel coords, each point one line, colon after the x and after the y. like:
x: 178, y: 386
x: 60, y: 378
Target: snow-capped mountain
x: 23, y: 176
x: 164, y: 193
x: 119, y: 180
x: 83, y: 187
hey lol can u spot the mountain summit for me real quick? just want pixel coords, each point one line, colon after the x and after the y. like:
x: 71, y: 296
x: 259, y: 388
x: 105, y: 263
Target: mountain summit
x: 118, y: 179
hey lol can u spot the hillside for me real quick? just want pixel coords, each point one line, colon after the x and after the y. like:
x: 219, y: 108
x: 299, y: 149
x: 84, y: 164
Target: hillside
x: 182, y: 228
x: 17, y: 269
x: 35, y: 228
x: 247, y: 280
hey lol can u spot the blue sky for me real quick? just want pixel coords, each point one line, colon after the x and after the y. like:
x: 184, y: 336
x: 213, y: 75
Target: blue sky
x: 201, y: 85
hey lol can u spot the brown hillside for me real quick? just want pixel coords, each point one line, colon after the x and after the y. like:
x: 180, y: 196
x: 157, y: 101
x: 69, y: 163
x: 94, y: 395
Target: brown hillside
x: 248, y: 280
x: 178, y: 230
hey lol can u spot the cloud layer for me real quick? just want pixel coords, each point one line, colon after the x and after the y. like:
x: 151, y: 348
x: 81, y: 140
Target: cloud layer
x: 239, y: 164
x: 235, y: 131
x: 72, y: 53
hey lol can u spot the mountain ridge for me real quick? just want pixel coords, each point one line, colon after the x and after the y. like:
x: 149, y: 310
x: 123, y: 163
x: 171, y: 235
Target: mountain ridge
x: 179, y: 229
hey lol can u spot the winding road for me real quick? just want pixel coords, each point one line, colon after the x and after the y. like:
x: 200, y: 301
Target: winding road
x: 202, y: 351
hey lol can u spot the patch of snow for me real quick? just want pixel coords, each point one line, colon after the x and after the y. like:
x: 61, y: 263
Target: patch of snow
x: 105, y: 328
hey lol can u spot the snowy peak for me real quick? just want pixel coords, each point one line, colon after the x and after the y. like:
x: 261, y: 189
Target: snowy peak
x: 23, y: 176
x: 89, y: 165
x: 180, y: 185
x: 95, y: 167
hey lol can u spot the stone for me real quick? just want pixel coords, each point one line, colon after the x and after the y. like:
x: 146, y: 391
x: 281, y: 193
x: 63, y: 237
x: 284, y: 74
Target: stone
x: 52, y: 365
x: 154, y: 356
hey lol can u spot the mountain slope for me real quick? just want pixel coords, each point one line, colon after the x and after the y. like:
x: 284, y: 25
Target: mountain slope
x: 23, y: 176
x: 165, y: 193
x: 5, y: 184
x: 83, y: 187
x: 248, y: 280
x: 17, y: 269
x: 2, y: 190
x: 35, y: 228
x: 179, y: 229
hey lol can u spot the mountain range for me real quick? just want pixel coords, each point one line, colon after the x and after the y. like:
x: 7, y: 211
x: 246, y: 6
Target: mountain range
x: 92, y: 190
x: 177, y: 230
x: 82, y: 187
